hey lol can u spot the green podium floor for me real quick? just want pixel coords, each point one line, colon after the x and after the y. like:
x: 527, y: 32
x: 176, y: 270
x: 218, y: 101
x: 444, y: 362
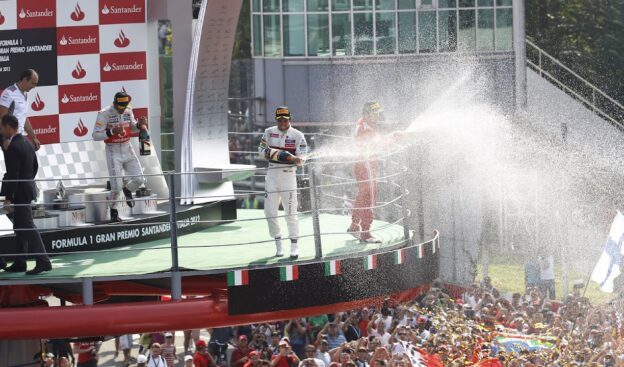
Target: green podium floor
x: 218, y: 248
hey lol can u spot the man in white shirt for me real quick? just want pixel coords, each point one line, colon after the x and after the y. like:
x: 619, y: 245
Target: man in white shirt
x: 14, y: 101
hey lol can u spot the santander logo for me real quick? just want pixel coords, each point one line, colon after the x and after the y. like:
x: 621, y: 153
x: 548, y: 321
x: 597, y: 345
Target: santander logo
x: 81, y: 129
x: 63, y: 41
x: 77, y: 15
x: 122, y: 41
x: 1, y: 18
x: 105, y: 10
x: 37, y: 104
x: 107, y: 67
x: 65, y: 99
x: 79, y: 72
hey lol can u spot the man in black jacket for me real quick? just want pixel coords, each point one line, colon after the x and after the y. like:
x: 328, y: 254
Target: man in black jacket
x: 21, y: 164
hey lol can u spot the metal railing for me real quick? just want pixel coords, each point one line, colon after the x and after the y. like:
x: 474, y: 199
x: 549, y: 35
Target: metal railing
x: 573, y: 84
x: 327, y: 196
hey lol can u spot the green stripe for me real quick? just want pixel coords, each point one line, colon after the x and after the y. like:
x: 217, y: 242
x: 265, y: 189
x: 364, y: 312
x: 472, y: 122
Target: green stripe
x: 283, y: 274
x: 230, y: 278
x: 327, y: 269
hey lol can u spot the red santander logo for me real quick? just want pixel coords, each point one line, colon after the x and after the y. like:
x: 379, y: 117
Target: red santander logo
x: 123, y: 66
x: 80, y: 130
x: 77, y: 15
x: 2, y: 19
x: 36, y: 14
x: 79, y: 72
x: 122, y: 41
x: 37, y: 104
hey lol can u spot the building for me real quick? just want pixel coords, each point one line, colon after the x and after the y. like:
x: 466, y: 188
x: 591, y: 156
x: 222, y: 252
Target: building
x: 320, y: 57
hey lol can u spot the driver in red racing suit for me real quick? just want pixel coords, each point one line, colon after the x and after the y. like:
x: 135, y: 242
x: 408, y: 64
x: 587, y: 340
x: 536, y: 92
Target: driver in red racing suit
x: 365, y: 171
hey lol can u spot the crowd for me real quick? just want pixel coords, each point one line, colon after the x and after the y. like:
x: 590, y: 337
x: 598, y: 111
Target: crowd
x: 480, y: 327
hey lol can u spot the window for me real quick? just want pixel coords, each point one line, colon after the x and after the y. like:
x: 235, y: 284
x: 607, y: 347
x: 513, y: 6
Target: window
x: 294, y: 36
x: 504, y: 2
x: 270, y: 6
x: 292, y: 6
x: 317, y: 5
x: 318, y: 35
x: 485, y: 29
x: 407, y: 32
x: 362, y: 4
x: 384, y: 5
x: 385, y: 32
x: 407, y: 4
x: 427, y: 31
x: 447, y: 4
x: 257, y: 5
x: 485, y: 2
x: 466, y: 3
x: 341, y: 34
x: 363, y: 33
x: 448, y: 30
x: 426, y: 3
x: 467, y: 35
x: 257, y: 35
x: 341, y: 5
x: 272, y: 47
x: 504, y: 20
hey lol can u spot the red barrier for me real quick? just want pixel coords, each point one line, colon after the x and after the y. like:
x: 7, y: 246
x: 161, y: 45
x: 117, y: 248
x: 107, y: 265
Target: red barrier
x: 125, y: 318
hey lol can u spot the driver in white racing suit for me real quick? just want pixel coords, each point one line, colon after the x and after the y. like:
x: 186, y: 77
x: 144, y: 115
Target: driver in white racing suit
x: 114, y: 125
x: 284, y: 147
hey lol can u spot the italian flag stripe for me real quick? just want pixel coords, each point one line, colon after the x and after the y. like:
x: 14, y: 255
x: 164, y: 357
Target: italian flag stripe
x: 289, y: 273
x: 399, y: 256
x: 332, y: 267
x: 421, y: 251
x: 370, y: 262
x: 238, y: 277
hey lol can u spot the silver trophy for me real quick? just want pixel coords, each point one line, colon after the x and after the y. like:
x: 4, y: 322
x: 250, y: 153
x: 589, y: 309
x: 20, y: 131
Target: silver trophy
x: 60, y: 201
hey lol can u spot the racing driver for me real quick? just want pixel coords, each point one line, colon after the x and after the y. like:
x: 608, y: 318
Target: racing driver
x: 284, y: 147
x: 114, y: 125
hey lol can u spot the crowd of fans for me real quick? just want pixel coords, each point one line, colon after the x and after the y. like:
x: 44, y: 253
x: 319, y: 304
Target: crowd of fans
x: 477, y: 328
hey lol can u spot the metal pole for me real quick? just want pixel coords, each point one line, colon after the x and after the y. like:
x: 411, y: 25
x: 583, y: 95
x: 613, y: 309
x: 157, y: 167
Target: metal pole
x: 176, y: 278
x: 314, y: 205
x: 87, y: 291
x: 519, y: 37
x: 406, y: 213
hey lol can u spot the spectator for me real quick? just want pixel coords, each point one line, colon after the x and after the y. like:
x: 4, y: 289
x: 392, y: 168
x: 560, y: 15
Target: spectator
x: 362, y: 357
x: 379, y: 332
x: 296, y: 333
x: 254, y: 359
x: 155, y: 359
x: 310, y: 353
x: 220, y: 337
x: 125, y: 343
x: 87, y: 354
x: 188, y: 361
x: 259, y: 344
x: 141, y: 361
x: 285, y: 357
x: 531, y: 274
x: 202, y: 358
x: 169, y: 350
x: 64, y: 362
x: 547, y: 276
x: 48, y: 360
x: 334, y: 337
x: 191, y: 335
x: 351, y: 326
x: 322, y: 352
x: 240, y: 355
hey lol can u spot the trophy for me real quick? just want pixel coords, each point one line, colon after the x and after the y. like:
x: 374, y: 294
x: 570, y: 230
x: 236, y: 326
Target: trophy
x: 60, y: 201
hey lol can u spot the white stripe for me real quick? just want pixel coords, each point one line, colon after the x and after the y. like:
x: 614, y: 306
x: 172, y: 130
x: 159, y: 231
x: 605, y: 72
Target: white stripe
x: 289, y: 272
x: 238, y: 277
x: 332, y: 267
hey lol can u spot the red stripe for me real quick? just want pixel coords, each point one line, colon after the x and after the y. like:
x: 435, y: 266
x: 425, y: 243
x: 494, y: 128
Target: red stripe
x: 337, y: 267
x: 374, y: 261
x: 245, y: 277
x: 295, y: 271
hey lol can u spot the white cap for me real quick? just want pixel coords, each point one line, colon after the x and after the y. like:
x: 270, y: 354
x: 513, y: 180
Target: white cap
x: 141, y: 358
x: 188, y: 358
x: 168, y: 334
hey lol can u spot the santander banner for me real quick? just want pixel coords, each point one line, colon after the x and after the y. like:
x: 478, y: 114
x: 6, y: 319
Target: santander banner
x: 84, y: 50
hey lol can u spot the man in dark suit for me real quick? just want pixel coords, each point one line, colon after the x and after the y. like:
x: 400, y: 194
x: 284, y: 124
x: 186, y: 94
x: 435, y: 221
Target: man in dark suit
x: 21, y: 164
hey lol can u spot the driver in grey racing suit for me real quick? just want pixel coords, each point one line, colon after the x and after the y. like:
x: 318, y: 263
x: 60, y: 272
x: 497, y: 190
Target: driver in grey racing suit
x: 114, y: 125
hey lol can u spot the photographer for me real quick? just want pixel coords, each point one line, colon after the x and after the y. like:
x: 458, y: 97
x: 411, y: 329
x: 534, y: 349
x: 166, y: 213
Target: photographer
x: 285, y: 357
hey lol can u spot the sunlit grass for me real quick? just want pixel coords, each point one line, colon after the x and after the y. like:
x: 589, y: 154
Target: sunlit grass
x: 510, y: 278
